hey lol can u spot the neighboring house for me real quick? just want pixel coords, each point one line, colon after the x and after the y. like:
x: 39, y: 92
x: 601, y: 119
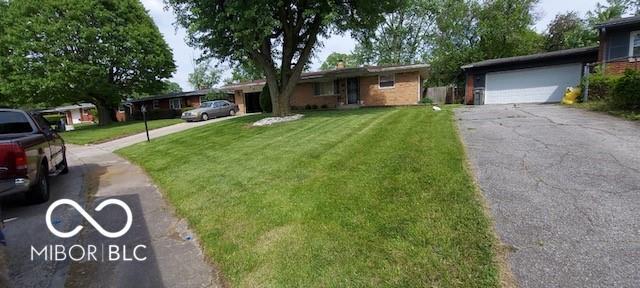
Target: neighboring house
x: 343, y: 87
x: 167, y: 105
x: 543, y: 78
x: 74, y: 114
x: 619, y: 45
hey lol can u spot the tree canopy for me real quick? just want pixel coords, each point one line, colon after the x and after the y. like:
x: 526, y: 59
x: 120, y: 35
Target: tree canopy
x: 471, y: 30
x: 65, y: 51
x: 402, y: 38
x: 567, y: 31
x: 243, y: 72
x: 332, y: 60
x: 204, y: 76
x: 278, y: 37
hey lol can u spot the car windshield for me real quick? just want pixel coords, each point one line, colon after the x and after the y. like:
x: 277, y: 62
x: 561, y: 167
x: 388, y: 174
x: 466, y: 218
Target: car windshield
x: 14, y: 122
x: 206, y: 104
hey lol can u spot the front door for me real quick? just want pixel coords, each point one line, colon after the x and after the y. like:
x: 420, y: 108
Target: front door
x: 353, y: 89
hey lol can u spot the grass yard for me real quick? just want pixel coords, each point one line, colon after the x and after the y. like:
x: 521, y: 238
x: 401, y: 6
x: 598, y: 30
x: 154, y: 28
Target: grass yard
x: 368, y: 197
x: 93, y: 134
x: 602, y: 106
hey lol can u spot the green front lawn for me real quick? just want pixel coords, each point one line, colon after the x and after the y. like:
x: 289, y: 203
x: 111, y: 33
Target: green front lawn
x: 368, y: 197
x: 93, y: 134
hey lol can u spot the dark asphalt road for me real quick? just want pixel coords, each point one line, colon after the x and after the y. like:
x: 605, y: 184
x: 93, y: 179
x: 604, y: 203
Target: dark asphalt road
x: 29, y: 229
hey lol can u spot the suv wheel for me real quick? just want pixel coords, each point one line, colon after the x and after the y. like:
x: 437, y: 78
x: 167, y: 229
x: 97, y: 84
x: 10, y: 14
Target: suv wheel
x: 232, y: 112
x: 204, y: 117
x: 39, y: 192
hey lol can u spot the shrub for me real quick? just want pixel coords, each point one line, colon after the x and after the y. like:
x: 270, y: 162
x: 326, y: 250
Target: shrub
x: 324, y: 106
x: 314, y: 106
x: 265, y: 100
x: 626, y: 94
x: 426, y: 100
x: 307, y: 107
x: 601, y: 86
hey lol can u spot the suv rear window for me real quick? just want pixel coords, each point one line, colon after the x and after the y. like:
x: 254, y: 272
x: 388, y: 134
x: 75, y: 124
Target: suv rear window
x: 14, y: 122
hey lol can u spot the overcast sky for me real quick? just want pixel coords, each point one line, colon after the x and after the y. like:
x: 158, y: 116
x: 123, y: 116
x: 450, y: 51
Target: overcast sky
x: 185, y: 55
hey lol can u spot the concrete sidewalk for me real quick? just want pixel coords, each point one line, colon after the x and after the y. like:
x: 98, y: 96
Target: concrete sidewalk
x: 174, y: 257
x: 155, y: 133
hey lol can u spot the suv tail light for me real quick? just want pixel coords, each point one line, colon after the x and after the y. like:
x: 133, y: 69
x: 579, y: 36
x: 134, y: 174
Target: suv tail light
x: 14, y: 159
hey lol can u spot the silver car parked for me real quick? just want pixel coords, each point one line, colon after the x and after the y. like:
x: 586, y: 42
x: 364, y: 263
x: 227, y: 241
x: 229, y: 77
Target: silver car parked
x: 211, y: 109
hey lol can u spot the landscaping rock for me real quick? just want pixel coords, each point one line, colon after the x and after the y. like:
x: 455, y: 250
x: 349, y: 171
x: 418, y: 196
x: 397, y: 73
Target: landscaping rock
x: 274, y: 120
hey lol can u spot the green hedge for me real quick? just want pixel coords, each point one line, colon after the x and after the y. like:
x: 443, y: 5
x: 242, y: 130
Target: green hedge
x: 626, y: 93
x: 601, y: 86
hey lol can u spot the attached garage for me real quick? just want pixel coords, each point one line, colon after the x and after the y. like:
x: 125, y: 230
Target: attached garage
x: 539, y: 78
x: 533, y: 85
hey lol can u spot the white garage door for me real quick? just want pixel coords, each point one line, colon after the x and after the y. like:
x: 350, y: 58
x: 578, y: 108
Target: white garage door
x: 534, y: 85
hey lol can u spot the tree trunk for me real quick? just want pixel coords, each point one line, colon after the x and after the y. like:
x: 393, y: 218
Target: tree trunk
x: 280, y: 102
x: 105, y: 112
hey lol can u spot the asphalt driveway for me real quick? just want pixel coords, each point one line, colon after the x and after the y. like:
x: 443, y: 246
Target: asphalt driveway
x: 564, y: 190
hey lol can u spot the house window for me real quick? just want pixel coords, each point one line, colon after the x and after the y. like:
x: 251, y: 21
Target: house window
x: 175, y: 104
x: 156, y: 104
x: 634, y: 46
x: 387, y: 81
x: 324, y: 88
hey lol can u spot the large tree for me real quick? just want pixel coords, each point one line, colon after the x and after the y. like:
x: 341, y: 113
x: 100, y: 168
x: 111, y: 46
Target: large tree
x: 244, y: 71
x: 473, y: 30
x: 349, y: 60
x: 567, y: 31
x: 204, y: 76
x: 278, y: 37
x: 404, y: 37
x: 505, y: 28
x: 65, y: 51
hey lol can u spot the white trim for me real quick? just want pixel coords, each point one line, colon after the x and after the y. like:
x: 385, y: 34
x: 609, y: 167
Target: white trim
x: 394, y: 81
x: 172, y: 107
x: 631, y: 34
x: 419, y: 86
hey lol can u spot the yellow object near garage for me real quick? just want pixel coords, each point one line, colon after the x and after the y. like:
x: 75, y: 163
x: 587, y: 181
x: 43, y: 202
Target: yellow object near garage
x: 571, y: 95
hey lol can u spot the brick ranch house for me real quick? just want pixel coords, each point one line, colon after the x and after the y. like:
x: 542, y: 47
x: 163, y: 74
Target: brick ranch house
x: 543, y: 78
x: 343, y: 87
x: 163, y: 106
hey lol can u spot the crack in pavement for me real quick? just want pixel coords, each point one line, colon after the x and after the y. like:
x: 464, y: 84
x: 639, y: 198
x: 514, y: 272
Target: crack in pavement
x: 560, y: 179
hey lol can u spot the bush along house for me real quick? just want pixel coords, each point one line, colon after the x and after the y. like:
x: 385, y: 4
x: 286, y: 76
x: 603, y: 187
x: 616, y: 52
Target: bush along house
x: 544, y: 77
x: 343, y: 87
x: 167, y: 105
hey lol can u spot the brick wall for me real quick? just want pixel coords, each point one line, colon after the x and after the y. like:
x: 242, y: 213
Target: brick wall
x: 406, y: 90
x: 468, y: 94
x: 191, y: 101
x: 618, y: 67
x: 303, y: 95
x: 238, y: 98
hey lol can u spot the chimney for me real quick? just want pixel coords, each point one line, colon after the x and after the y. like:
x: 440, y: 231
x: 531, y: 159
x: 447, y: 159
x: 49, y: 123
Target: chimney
x: 340, y: 64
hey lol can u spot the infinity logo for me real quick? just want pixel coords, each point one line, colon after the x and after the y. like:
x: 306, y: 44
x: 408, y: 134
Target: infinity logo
x: 86, y: 215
